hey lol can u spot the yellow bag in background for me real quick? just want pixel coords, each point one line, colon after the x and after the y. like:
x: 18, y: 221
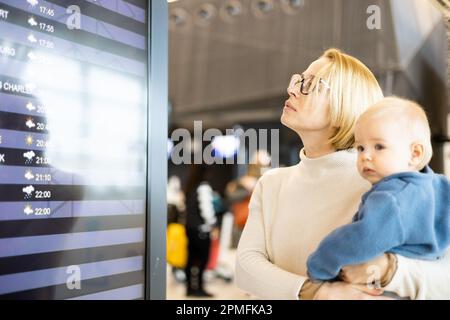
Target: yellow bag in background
x: 177, y: 245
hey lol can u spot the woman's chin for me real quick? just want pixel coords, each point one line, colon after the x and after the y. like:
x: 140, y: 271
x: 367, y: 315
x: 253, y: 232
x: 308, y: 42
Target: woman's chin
x: 284, y: 119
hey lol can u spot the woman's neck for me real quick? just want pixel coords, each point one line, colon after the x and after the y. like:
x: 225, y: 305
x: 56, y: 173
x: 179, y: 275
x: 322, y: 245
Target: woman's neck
x: 316, y: 144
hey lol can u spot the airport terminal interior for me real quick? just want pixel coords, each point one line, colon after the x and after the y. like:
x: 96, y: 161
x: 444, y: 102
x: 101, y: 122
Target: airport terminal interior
x: 133, y: 133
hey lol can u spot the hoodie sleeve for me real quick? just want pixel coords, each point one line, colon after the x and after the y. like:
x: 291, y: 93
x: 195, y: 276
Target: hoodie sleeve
x: 378, y: 230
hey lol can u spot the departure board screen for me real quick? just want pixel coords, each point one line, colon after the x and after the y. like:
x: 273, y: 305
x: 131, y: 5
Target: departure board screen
x: 73, y: 148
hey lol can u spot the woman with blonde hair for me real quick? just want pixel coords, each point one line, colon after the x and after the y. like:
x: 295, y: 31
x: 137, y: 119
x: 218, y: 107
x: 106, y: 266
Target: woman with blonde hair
x: 292, y: 209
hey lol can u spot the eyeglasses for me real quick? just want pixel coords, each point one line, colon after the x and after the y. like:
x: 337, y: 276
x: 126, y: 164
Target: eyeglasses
x: 305, y: 85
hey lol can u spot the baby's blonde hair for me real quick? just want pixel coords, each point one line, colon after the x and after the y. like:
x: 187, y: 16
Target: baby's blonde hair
x: 353, y: 88
x: 411, y: 116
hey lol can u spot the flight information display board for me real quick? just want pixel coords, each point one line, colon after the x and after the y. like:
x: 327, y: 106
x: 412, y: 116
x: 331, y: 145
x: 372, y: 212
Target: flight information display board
x: 73, y: 148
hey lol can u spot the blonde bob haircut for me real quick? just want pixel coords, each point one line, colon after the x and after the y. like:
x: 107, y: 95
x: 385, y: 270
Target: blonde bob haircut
x: 353, y: 88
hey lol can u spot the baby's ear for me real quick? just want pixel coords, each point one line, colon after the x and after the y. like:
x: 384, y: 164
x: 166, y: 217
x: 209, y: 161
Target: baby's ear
x: 417, y: 154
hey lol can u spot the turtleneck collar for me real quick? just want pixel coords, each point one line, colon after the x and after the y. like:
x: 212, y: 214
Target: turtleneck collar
x: 324, y: 164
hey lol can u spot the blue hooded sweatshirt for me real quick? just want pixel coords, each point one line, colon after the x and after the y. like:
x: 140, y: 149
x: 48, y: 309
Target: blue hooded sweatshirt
x: 405, y: 213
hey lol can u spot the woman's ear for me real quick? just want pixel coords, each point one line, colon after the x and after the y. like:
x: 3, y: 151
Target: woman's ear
x: 417, y: 154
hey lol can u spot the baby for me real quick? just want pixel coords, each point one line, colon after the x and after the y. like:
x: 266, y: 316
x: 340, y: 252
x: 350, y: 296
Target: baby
x: 407, y: 210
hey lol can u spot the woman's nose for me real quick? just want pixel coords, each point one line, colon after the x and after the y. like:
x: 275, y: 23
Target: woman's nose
x: 292, y: 92
x: 293, y: 84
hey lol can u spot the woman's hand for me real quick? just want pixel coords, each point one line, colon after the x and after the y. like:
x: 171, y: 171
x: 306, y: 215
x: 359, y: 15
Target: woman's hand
x: 345, y: 291
x: 373, y: 271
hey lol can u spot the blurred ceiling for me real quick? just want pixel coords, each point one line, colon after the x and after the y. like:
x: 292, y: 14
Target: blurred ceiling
x: 231, y: 60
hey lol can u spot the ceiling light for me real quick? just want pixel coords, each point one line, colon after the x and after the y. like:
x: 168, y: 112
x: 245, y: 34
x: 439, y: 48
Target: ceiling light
x: 292, y: 6
x: 205, y: 14
x: 178, y: 17
x: 231, y: 10
x: 261, y: 8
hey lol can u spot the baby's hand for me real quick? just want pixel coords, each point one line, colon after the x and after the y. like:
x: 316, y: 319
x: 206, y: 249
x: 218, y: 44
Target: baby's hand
x: 372, y: 272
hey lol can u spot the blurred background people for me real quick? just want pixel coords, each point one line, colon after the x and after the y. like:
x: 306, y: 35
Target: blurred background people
x: 175, y: 201
x: 176, y: 215
x: 200, y: 227
x: 239, y: 191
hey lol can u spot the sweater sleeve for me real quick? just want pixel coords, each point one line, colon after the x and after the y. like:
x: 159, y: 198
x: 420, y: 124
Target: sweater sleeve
x: 255, y: 273
x: 421, y: 279
x: 378, y: 230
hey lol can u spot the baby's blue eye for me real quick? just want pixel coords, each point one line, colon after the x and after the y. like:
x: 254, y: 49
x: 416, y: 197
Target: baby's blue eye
x: 379, y: 147
x: 360, y: 148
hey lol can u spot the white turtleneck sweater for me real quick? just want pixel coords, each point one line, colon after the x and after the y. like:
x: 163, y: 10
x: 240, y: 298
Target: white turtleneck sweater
x: 292, y: 209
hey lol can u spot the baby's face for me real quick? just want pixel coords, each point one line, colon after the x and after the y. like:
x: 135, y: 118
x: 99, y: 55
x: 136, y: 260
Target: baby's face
x: 383, y: 149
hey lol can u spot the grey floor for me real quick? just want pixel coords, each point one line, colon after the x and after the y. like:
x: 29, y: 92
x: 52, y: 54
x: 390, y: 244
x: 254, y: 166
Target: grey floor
x: 221, y: 289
